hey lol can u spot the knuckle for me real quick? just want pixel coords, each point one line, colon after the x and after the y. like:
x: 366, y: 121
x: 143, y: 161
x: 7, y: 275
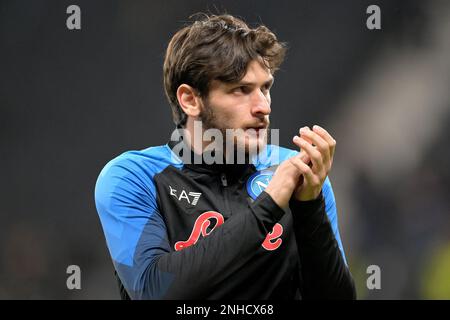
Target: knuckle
x: 297, y: 163
x: 333, y: 142
x: 324, y: 148
x: 317, y: 155
x: 317, y: 182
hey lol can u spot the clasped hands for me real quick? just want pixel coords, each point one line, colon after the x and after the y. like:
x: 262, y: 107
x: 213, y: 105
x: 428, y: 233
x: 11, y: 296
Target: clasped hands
x: 301, y: 177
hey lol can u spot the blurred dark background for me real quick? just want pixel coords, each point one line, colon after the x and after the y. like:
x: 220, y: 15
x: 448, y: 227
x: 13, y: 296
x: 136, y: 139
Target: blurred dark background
x: 71, y: 100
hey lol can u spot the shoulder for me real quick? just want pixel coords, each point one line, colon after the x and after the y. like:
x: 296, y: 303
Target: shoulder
x: 135, y: 169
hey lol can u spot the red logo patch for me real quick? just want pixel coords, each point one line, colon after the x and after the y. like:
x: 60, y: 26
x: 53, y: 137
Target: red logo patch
x: 272, y: 241
x: 200, y: 226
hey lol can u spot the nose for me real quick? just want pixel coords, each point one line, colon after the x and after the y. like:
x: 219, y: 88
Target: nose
x: 260, y: 104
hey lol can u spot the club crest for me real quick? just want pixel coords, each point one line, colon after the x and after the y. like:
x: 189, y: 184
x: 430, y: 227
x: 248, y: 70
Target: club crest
x: 258, y: 182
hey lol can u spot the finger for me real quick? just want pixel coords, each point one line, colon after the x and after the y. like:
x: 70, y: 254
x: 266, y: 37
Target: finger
x: 320, y: 143
x: 314, y: 154
x: 327, y: 137
x: 305, y: 137
x: 308, y: 174
x: 302, y: 154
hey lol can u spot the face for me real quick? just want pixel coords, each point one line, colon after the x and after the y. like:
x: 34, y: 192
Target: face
x: 243, y: 105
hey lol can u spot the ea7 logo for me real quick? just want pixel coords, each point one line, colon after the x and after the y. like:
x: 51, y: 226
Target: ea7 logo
x: 191, y: 197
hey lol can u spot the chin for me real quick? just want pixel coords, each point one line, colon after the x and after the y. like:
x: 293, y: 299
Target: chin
x: 255, y: 144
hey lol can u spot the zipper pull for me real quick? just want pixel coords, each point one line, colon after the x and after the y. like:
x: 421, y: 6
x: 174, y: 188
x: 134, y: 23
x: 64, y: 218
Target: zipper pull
x: 223, y: 178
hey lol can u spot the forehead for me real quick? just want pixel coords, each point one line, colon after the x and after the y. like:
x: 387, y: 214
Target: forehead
x: 257, y: 71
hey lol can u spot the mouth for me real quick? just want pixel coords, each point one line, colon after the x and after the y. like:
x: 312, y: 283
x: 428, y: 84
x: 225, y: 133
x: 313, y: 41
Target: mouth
x: 256, y: 130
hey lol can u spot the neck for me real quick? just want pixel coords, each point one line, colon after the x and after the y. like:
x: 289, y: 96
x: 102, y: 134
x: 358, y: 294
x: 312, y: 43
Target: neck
x: 194, y: 136
x: 213, y: 140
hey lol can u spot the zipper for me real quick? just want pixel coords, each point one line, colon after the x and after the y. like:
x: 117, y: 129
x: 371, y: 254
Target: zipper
x: 224, y: 181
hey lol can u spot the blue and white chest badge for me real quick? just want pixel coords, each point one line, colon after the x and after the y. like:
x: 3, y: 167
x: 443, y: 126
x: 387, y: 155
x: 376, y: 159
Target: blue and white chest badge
x: 258, y: 182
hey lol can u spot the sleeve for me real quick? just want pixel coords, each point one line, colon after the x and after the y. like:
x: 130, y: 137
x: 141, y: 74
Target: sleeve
x: 325, y: 274
x: 331, y: 211
x: 137, y: 240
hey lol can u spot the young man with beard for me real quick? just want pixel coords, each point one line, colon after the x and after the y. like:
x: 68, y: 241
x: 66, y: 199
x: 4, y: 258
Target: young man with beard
x: 177, y: 228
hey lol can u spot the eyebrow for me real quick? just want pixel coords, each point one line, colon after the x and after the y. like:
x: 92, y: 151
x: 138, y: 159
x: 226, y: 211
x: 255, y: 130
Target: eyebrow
x: 246, y: 83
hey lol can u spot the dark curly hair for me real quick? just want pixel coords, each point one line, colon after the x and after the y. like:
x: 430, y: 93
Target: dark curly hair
x: 216, y: 47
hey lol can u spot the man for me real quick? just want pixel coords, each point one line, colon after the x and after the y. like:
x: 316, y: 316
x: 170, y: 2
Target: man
x: 177, y: 228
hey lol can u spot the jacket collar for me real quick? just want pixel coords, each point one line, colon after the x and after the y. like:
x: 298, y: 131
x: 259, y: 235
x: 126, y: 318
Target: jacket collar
x: 196, y: 162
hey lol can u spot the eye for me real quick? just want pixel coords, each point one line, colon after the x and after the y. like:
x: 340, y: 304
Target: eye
x: 268, y: 86
x: 242, y: 90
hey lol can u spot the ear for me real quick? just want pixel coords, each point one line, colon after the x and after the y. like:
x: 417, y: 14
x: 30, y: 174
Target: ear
x: 189, y: 100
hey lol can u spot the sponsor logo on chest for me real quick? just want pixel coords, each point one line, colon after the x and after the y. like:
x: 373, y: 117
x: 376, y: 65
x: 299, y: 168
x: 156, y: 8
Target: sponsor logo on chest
x: 183, y: 196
